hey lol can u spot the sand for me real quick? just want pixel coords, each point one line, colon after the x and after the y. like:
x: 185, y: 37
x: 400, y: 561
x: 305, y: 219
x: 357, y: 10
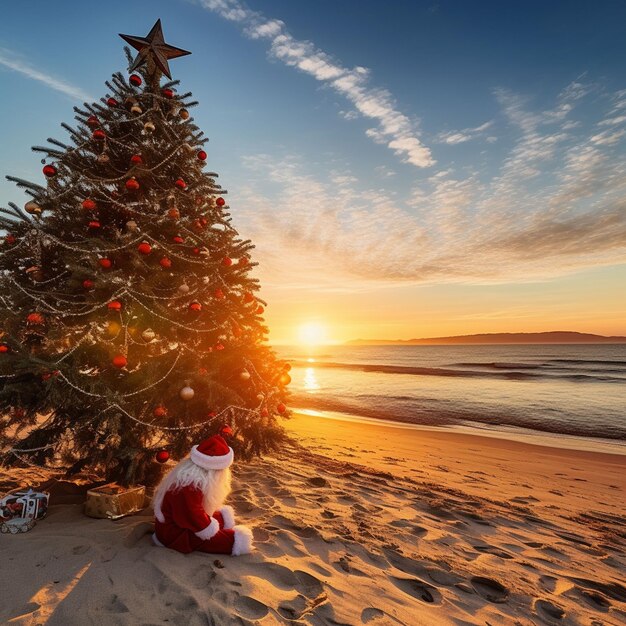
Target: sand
x: 356, y: 523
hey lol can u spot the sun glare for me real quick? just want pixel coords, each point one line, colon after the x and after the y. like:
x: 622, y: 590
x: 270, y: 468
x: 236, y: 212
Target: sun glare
x: 312, y: 334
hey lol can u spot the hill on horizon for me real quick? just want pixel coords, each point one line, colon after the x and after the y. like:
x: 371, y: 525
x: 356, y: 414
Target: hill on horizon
x: 556, y: 336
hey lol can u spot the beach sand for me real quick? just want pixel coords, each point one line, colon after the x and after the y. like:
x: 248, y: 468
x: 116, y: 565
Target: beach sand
x: 355, y: 523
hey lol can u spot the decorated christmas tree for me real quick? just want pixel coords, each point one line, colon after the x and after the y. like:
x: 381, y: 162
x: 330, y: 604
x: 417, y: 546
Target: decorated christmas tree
x: 130, y: 324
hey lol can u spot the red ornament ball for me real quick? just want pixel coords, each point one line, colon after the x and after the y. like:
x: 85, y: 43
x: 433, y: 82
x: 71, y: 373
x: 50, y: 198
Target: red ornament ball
x: 112, y: 102
x: 88, y: 284
x: 92, y: 120
x: 35, y: 318
x: 132, y: 184
x: 260, y: 310
x: 178, y: 239
x: 98, y: 134
x: 94, y: 224
x: 202, y: 155
x: 219, y: 346
x: 10, y: 239
x: 226, y: 430
x: 243, y: 261
x: 119, y: 361
x: 114, y: 305
x: 281, y: 408
x: 89, y: 204
x: 264, y: 412
x: 4, y: 348
x: 105, y: 263
x: 162, y: 456
x: 180, y: 183
x: 144, y: 247
x: 159, y: 411
x: 195, y: 306
x: 219, y: 294
x: 165, y: 263
x: 136, y: 159
x: 220, y: 202
x: 167, y: 93
x: 227, y: 261
x: 248, y: 297
x: 49, y: 170
x: 134, y: 80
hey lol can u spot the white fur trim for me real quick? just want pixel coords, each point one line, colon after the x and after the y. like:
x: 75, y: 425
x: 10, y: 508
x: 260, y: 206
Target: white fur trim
x: 156, y: 542
x: 211, y: 530
x: 228, y: 515
x: 243, y: 541
x: 212, y: 462
x: 158, y: 513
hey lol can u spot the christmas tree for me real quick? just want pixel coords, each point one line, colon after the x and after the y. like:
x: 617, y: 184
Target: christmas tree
x: 130, y: 324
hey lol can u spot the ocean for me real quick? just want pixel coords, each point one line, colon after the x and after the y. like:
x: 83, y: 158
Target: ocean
x: 561, y: 391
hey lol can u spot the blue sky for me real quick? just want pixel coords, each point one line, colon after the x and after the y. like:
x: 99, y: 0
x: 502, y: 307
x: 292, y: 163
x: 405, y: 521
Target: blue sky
x: 405, y: 168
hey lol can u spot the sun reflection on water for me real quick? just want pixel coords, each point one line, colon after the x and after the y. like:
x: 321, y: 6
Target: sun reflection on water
x: 310, y: 381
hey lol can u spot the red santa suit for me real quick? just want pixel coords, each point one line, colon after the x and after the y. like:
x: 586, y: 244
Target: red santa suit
x: 188, y: 504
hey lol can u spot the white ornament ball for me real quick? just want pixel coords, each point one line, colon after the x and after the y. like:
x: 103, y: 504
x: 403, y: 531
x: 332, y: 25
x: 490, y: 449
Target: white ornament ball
x: 149, y: 127
x: 260, y: 396
x: 136, y: 109
x: 103, y: 158
x: 148, y: 334
x: 131, y: 225
x: 184, y: 288
x: 245, y: 375
x: 187, y: 393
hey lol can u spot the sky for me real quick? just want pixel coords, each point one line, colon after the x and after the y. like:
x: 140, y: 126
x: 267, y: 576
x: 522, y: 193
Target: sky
x: 405, y: 169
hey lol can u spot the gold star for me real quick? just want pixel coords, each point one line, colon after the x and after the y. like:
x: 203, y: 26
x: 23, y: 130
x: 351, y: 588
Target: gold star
x: 154, y: 46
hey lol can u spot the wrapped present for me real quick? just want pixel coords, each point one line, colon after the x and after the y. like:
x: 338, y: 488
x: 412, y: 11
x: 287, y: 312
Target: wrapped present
x: 26, y: 503
x: 113, y: 501
x: 17, y: 525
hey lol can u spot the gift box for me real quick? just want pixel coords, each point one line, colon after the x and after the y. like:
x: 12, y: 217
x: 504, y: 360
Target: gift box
x: 27, y: 503
x: 113, y: 501
x: 17, y: 525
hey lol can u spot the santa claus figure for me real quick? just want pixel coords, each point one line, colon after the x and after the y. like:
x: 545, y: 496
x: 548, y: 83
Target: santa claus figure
x: 189, y: 504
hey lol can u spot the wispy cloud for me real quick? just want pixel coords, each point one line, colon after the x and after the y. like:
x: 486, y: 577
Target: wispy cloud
x: 557, y: 204
x: 461, y: 136
x: 394, y: 129
x: 14, y: 62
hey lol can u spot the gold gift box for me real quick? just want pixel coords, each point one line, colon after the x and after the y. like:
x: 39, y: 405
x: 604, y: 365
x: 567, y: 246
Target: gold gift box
x: 113, y: 501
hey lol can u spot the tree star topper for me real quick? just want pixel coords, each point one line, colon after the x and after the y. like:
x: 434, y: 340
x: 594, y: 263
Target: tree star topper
x: 153, y: 46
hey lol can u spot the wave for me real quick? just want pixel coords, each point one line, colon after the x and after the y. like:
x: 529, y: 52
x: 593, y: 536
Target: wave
x: 586, y: 361
x: 390, y: 409
x: 458, y: 373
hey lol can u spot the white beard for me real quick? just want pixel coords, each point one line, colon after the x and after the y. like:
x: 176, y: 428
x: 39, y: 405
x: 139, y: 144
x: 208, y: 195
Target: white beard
x: 214, y: 484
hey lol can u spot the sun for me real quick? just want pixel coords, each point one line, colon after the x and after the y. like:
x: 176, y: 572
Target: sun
x: 312, y: 334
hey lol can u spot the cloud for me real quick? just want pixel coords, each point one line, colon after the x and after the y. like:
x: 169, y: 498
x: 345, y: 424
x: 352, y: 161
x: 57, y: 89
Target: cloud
x: 11, y: 61
x: 453, y: 137
x: 556, y: 204
x: 394, y: 129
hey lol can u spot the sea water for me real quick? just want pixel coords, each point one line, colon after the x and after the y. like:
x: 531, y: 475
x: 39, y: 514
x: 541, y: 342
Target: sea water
x: 576, y: 390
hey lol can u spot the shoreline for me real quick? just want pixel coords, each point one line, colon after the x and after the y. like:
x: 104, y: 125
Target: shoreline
x: 512, y: 433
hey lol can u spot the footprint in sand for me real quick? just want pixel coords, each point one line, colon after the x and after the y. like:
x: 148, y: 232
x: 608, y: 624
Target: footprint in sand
x: 549, y: 611
x: 250, y: 608
x: 418, y: 589
x: 494, y: 550
x: 370, y: 614
x: 489, y: 589
x: 308, y: 585
x: 317, y: 481
x: 612, y: 590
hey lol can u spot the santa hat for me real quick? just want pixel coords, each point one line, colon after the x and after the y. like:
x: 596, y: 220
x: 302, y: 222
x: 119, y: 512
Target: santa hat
x: 213, y: 453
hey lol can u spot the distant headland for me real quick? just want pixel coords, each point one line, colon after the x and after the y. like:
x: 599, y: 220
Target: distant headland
x: 556, y: 336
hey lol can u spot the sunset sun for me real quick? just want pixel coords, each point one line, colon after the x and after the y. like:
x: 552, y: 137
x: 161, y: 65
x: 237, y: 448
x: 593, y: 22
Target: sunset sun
x: 312, y: 334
